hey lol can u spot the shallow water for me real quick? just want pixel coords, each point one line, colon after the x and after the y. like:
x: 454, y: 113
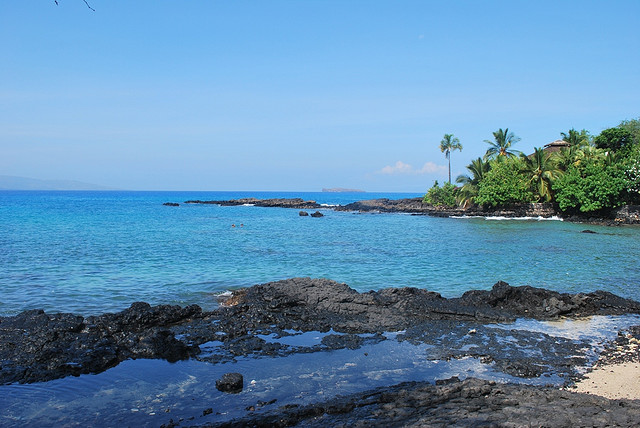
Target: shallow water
x: 91, y: 252
x: 151, y: 392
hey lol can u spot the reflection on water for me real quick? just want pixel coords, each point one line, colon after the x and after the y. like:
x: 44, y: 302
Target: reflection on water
x: 152, y: 392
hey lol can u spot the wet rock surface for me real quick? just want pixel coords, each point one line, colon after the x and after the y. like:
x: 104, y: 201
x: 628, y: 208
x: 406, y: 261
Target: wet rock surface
x: 36, y: 346
x: 472, y: 402
x: 624, y: 349
x: 268, y: 321
x: 230, y: 382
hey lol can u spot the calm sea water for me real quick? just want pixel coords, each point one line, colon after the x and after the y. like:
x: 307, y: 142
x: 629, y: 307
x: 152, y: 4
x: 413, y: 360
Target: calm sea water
x: 91, y: 252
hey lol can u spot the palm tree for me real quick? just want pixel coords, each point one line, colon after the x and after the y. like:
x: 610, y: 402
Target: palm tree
x: 448, y: 144
x: 575, y: 138
x: 499, y: 148
x: 542, y: 169
x: 568, y: 156
x: 469, y: 190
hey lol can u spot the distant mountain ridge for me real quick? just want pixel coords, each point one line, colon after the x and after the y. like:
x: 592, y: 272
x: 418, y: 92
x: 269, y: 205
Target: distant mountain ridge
x: 9, y: 182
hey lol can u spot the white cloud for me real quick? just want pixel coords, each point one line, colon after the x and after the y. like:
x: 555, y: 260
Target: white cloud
x: 406, y: 169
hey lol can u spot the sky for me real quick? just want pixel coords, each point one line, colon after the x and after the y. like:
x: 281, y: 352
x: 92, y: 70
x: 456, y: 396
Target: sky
x: 301, y: 95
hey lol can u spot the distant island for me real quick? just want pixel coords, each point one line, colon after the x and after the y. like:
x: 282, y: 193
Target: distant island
x: 341, y: 190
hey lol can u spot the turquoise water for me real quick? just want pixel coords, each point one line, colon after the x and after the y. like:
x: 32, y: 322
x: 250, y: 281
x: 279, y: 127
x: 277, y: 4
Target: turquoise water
x: 91, y: 252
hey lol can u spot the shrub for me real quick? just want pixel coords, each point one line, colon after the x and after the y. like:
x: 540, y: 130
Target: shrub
x: 444, y: 196
x: 503, y: 185
x: 591, y: 186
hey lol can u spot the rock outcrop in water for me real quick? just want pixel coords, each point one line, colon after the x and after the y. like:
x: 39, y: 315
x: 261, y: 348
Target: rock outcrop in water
x: 628, y: 214
x: 297, y: 203
x: 321, y: 304
x: 36, y: 346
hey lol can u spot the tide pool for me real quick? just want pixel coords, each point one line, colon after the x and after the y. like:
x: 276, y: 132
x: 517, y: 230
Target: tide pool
x: 92, y: 252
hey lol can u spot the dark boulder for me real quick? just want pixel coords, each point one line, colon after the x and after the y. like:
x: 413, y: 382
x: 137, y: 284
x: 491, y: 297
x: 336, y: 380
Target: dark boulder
x: 303, y: 214
x: 230, y: 382
x: 317, y: 214
x: 171, y: 204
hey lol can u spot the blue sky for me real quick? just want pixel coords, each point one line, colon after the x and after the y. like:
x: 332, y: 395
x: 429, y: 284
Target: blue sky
x: 300, y: 95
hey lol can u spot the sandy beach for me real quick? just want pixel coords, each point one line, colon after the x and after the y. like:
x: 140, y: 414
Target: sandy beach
x: 615, y: 381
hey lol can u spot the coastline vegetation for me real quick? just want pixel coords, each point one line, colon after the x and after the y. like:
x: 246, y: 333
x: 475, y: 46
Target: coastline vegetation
x: 579, y: 173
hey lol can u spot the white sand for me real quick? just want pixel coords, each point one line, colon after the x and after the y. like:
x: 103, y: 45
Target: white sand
x: 613, y: 381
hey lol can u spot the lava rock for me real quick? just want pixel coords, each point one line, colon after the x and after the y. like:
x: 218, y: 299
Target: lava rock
x: 303, y: 214
x: 230, y: 382
x: 472, y: 402
x: 317, y: 214
x: 171, y: 204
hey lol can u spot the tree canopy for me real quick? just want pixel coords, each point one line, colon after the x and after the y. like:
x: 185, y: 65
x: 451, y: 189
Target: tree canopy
x: 590, y: 174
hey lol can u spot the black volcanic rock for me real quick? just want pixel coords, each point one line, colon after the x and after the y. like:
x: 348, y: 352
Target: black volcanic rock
x: 36, y: 346
x: 468, y: 403
x: 297, y: 203
x: 230, y: 382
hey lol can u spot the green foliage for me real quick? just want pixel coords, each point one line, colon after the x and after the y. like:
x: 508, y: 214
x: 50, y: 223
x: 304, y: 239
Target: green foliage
x: 633, y: 127
x: 591, y: 186
x: 615, y: 139
x: 632, y: 176
x: 503, y: 185
x: 501, y: 145
x: 444, y: 196
x: 467, y: 193
x: 591, y: 174
x: 541, y: 168
x: 577, y: 139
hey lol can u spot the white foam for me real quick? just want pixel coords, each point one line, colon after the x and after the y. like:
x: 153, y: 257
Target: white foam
x: 539, y: 218
x: 502, y: 218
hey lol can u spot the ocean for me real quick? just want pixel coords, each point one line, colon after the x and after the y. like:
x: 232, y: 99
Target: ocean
x: 94, y: 252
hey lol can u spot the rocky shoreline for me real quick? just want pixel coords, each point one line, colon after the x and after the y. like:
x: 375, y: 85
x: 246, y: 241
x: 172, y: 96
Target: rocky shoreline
x: 626, y: 215
x: 36, y: 346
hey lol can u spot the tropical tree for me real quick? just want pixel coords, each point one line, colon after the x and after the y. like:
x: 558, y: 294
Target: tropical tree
x: 469, y: 190
x: 614, y: 139
x: 575, y: 138
x: 501, y: 146
x: 504, y: 184
x: 448, y: 144
x: 633, y: 127
x: 542, y: 169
